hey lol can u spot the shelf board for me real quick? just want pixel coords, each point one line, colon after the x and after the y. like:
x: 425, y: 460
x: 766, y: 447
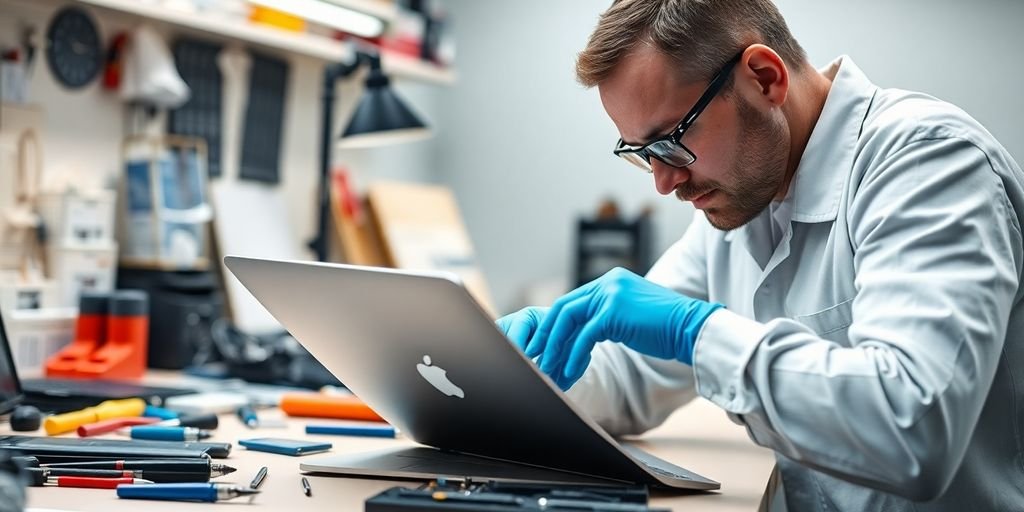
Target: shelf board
x: 311, y: 45
x: 401, y: 66
x: 304, y: 44
x: 382, y: 9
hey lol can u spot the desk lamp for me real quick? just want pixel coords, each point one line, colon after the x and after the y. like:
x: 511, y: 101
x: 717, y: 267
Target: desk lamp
x: 381, y: 118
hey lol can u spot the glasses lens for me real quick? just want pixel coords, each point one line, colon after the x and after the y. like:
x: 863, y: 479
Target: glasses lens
x: 671, y: 153
x: 637, y: 159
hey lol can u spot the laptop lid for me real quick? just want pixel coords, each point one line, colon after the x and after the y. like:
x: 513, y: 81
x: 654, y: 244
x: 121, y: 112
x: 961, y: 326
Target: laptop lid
x: 421, y: 352
x: 10, y: 387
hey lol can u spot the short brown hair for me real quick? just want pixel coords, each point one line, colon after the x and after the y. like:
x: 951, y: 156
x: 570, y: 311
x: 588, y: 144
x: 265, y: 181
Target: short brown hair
x: 701, y: 35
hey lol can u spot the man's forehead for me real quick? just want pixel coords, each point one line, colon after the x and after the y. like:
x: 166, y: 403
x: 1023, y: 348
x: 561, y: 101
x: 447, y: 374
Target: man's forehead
x: 644, y: 95
x: 645, y: 59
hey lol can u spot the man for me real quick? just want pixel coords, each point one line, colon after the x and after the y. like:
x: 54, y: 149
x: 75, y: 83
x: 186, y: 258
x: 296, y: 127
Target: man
x: 851, y: 292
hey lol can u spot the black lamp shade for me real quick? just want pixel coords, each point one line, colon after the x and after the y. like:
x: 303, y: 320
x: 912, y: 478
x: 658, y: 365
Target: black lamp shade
x: 381, y: 117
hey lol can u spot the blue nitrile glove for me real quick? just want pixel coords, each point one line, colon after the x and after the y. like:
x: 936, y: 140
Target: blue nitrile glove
x: 519, y: 326
x: 619, y: 306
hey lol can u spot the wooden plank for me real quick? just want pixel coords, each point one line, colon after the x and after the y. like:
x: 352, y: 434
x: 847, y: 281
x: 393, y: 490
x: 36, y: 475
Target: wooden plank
x: 422, y: 229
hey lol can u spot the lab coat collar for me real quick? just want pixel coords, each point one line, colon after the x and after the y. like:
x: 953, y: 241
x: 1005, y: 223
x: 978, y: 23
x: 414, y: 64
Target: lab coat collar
x: 828, y: 158
x: 825, y: 165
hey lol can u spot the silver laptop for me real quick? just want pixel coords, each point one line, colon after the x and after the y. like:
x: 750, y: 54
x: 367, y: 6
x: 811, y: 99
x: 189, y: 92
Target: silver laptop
x: 421, y: 352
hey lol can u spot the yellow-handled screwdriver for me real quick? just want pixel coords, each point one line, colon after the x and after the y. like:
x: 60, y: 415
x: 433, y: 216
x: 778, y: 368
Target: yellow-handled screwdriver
x: 61, y: 423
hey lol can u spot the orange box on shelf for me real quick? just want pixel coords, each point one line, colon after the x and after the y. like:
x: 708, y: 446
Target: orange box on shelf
x: 276, y: 18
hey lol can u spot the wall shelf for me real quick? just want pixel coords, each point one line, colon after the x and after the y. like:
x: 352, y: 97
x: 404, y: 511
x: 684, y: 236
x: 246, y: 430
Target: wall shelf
x: 382, y: 9
x: 311, y: 45
x: 402, y: 66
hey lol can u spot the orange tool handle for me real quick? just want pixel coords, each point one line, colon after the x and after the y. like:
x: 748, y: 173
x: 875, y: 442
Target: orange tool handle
x: 318, y: 405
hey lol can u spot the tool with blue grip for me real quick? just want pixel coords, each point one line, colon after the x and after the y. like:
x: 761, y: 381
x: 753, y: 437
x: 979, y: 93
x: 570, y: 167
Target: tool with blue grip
x: 208, y: 492
x: 155, y: 433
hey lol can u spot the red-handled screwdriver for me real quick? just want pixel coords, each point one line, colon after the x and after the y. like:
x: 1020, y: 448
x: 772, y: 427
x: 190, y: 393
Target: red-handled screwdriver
x: 91, y: 482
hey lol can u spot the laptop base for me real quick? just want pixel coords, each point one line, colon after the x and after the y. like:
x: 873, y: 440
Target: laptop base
x: 425, y: 463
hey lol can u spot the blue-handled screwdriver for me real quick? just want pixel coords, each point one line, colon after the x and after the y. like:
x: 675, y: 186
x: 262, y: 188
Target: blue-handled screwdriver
x: 210, y: 491
x: 248, y: 416
x: 152, y: 433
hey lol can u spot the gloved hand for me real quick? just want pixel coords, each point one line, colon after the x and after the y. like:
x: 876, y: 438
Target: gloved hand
x: 519, y: 326
x: 619, y: 306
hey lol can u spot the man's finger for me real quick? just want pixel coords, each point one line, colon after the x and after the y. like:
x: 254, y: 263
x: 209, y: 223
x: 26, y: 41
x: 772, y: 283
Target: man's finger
x: 579, y: 355
x: 570, y: 320
x: 573, y: 377
x: 539, y: 341
x: 521, y: 329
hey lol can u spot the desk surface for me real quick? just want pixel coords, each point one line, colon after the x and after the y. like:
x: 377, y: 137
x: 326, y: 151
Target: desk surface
x: 698, y: 437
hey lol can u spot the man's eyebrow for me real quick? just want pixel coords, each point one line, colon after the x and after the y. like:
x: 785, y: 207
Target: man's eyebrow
x: 656, y: 133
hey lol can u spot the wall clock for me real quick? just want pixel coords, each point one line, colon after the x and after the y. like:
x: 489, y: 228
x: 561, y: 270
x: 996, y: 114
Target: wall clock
x: 73, y: 48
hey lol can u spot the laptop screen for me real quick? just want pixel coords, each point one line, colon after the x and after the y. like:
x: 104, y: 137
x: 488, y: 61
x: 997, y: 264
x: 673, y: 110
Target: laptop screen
x: 10, y: 388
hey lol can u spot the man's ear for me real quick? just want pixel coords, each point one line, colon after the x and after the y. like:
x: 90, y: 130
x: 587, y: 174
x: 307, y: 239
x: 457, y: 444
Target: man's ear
x: 764, y: 74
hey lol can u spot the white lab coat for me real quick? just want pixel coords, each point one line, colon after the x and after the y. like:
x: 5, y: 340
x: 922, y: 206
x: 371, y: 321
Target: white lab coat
x: 878, y: 347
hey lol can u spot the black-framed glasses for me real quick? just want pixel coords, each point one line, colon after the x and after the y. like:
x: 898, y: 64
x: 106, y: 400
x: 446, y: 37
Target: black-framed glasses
x: 669, y: 147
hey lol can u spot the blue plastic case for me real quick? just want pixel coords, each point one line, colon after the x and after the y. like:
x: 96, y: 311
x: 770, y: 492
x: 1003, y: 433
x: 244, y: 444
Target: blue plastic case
x: 293, y: 447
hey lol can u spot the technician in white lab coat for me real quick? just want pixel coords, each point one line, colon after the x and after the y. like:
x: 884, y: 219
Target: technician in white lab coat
x: 851, y: 293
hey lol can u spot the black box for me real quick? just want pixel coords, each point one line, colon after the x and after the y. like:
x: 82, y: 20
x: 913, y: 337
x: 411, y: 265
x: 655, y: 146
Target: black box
x: 182, y: 307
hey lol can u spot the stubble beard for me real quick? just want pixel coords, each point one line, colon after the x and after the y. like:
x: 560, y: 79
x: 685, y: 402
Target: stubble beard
x: 755, y: 179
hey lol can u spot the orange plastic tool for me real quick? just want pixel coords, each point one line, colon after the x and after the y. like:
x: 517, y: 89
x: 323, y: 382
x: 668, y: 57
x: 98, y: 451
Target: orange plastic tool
x: 111, y: 338
x: 90, y: 334
x: 123, y: 356
x: 320, y: 405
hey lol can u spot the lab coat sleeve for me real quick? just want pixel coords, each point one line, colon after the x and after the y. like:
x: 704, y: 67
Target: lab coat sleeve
x: 627, y: 392
x: 937, y: 260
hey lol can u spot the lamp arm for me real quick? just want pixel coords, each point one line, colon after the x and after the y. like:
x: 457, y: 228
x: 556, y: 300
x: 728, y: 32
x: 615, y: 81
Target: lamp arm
x: 332, y: 73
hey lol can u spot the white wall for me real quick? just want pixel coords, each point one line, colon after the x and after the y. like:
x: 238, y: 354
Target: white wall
x: 84, y: 132
x: 85, y: 128
x: 527, y: 149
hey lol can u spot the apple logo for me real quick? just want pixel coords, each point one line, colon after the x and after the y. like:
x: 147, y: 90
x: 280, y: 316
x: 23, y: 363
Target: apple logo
x: 438, y: 377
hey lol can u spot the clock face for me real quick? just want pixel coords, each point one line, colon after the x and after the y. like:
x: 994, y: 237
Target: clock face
x: 73, y: 48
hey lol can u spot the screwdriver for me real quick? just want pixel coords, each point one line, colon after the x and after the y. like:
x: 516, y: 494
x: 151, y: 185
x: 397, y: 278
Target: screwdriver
x: 247, y: 415
x: 205, y: 466
x: 153, y: 433
x: 39, y: 475
x: 209, y: 492
x: 205, y: 421
x: 93, y: 483
x: 157, y: 470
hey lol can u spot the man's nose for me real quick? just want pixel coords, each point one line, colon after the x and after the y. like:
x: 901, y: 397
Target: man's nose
x: 667, y: 177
